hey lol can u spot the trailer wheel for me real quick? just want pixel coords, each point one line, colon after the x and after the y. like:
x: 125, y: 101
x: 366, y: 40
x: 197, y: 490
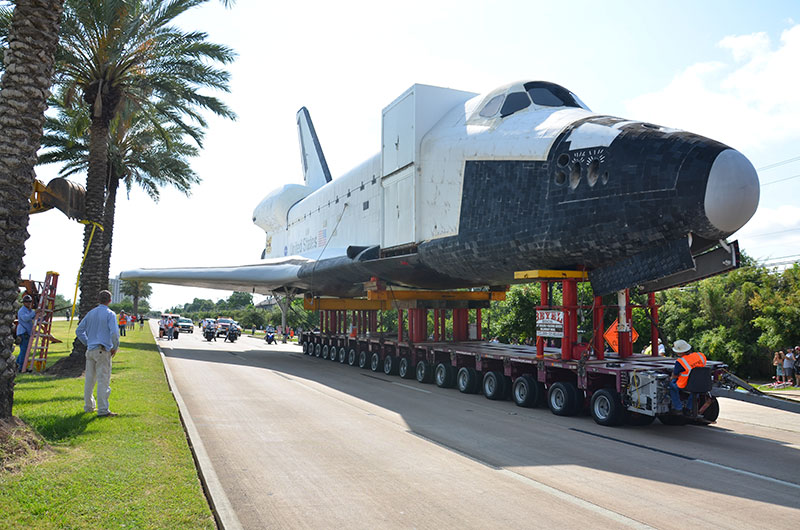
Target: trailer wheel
x: 494, y: 385
x: 712, y: 412
x: 562, y: 398
x: 606, y: 408
x: 443, y: 376
x: 527, y: 391
x: 342, y: 355
x: 325, y: 350
x: 363, y: 359
x: 352, y: 357
x: 467, y: 380
x: 317, y: 350
x: 375, y: 362
x: 404, y: 368
x: 390, y: 365
x: 305, y: 348
x: 423, y: 372
x: 334, y: 356
x: 640, y: 420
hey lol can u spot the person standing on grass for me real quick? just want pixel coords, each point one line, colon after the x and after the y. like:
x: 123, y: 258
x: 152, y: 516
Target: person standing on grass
x: 99, y: 331
x: 123, y: 321
x: 24, y: 328
x: 788, y: 366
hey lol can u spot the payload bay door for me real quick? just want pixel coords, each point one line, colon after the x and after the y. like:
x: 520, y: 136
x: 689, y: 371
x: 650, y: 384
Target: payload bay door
x: 398, y: 208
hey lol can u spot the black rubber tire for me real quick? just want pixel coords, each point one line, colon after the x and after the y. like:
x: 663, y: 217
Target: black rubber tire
x: 363, y: 359
x: 375, y: 363
x: 639, y: 420
x: 527, y: 392
x: 390, y: 365
x: 712, y: 412
x: 606, y: 408
x: 562, y: 399
x: 467, y: 380
x: 305, y: 348
x: 423, y: 372
x: 332, y: 352
x: 404, y: 368
x: 352, y: 357
x: 317, y: 350
x: 325, y: 350
x: 342, y: 355
x: 494, y: 385
x: 443, y: 375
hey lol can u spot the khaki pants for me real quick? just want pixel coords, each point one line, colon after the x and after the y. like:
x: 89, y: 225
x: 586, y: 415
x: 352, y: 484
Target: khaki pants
x: 98, y: 367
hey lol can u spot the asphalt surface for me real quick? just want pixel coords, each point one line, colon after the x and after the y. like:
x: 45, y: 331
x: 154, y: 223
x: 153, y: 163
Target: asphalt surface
x: 286, y: 440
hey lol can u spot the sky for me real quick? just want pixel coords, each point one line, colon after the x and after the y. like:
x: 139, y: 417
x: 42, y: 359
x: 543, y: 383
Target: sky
x: 729, y: 70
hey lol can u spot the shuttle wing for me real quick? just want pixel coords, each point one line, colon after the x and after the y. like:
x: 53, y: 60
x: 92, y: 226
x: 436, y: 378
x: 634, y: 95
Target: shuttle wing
x: 262, y: 277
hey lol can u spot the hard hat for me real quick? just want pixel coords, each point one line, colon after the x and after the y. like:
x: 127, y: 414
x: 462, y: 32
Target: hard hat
x: 27, y: 298
x: 681, y: 346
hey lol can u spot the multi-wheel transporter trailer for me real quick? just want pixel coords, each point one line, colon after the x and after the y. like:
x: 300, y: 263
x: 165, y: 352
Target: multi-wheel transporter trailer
x: 615, y: 387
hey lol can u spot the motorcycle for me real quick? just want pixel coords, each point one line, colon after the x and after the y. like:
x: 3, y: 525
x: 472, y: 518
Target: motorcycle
x: 209, y: 332
x: 232, y: 334
x: 270, y: 337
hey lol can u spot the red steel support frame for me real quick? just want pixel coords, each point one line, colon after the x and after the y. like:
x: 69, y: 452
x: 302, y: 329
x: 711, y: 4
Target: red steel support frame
x: 570, y: 308
x: 625, y: 343
x: 651, y: 301
x: 599, y: 344
x: 417, y: 325
x: 460, y: 325
x: 399, y: 325
x: 543, y: 303
x: 478, y: 323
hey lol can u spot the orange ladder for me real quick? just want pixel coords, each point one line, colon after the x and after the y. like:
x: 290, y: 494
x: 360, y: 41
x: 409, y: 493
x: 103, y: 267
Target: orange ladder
x: 36, y: 356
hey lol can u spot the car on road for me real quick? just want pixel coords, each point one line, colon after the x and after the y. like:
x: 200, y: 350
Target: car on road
x: 222, y: 325
x: 186, y: 325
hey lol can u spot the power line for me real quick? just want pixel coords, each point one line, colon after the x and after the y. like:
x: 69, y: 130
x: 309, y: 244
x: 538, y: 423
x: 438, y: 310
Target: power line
x: 772, y: 233
x: 778, y: 164
x: 780, y: 180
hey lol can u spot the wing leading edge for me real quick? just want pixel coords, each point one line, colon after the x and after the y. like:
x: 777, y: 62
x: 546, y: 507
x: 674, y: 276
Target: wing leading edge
x: 260, y: 278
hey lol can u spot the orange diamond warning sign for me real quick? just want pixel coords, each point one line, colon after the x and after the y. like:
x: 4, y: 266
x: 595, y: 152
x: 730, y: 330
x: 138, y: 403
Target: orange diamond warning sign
x: 612, y: 337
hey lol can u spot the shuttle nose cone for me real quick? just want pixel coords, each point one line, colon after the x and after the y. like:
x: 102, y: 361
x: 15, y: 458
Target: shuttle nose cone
x: 732, y: 191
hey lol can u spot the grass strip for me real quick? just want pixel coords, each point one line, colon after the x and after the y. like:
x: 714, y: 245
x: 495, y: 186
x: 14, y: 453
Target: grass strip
x: 131, y: 471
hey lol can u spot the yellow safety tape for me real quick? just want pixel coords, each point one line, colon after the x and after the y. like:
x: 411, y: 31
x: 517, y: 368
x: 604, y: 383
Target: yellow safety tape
x: 95, y: 226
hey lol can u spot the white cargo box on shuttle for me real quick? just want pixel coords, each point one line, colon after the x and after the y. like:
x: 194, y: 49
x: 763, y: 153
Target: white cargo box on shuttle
x: 405, y: 122
x: 409, y: 117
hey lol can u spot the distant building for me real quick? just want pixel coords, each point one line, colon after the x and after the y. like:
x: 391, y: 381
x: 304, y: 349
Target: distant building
x: 114, y: 285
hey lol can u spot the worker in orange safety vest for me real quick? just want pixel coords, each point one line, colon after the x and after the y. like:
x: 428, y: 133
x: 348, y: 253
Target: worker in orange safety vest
x: 680, y: 374
x: 123, y: 322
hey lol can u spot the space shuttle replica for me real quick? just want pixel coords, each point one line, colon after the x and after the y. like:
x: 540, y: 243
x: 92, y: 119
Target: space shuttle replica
x: 467, y: 189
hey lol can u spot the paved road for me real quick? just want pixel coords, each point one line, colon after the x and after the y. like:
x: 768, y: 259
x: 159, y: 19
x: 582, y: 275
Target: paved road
x: 302, y: 442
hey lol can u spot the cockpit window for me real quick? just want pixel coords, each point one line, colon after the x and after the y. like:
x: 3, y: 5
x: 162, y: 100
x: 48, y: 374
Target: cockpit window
x: 551, y: 95
x: 491, y: 108
x: 515, y: 101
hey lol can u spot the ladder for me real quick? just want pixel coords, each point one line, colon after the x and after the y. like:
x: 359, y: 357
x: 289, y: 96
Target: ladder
x: 36, y: 356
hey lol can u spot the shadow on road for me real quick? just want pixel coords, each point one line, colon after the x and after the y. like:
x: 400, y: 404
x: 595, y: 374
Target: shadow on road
x: 503, y: 435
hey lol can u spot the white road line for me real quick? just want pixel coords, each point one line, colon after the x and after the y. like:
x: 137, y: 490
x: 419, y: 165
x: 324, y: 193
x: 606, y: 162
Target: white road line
x: 412, y: 388
x: 750, y: 474
x: 544, y: 488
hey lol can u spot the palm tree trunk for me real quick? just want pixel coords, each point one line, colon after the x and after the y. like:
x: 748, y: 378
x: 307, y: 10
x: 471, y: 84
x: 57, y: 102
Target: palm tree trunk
x: 108, y: 227
x: 92, y: 274
x: 32, y: 40
x: 136, y: 305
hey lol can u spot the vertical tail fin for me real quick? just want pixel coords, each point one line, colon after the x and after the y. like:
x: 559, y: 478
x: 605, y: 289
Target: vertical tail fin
x: 315, y: 169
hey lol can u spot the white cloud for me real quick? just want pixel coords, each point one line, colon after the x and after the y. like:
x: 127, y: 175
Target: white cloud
x: 771, y: 233
x: 748, y: 102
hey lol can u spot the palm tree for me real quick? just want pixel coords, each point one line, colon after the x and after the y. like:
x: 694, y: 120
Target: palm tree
x: 136, y: 289
x: 138, y: 154
x: 29, y: 48
x: 126, y: 53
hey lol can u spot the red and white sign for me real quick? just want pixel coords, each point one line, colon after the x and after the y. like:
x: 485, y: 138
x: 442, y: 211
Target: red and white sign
x: 550, y: 324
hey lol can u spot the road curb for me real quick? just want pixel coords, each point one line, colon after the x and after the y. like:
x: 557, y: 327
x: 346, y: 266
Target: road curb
x: 220, y: 505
